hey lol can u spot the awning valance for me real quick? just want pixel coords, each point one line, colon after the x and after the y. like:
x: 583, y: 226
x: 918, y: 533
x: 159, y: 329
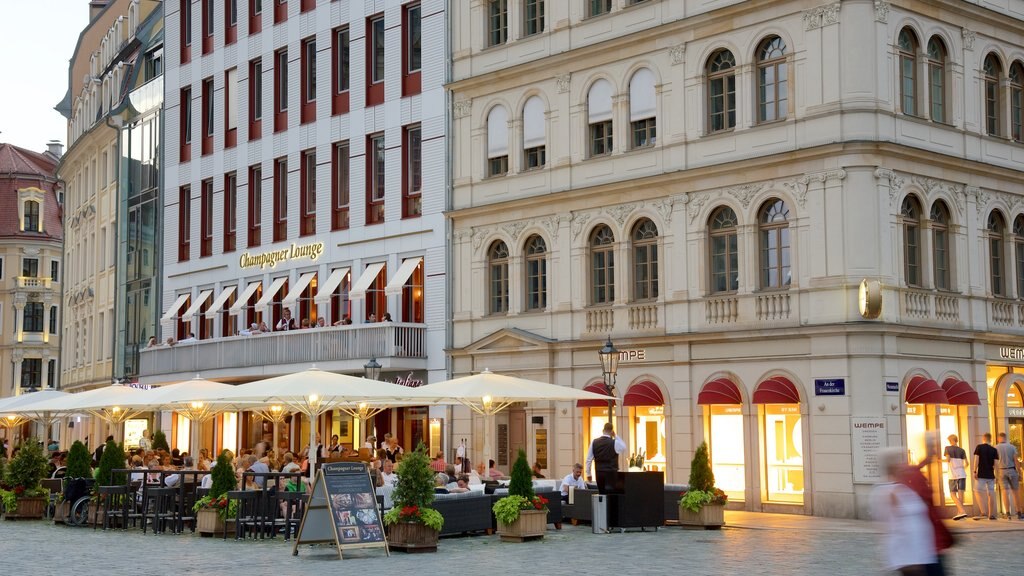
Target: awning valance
x: 398, y: 281
x: 597, y: 388
x: 243, y: 299
x: 196, y: 305
x: 720, y: 391
x: 358, y: 290
x: 326, y: 290
x: 776, y: 390
x: 269, y: 293
x: 219, y: 301
x: 173, y: 310
x: 960, y: 392
x: 924, y: 390
x: 644, y: 393
x: 296, y: 291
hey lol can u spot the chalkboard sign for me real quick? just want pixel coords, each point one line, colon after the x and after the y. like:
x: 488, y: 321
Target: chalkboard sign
x: 342, y: 509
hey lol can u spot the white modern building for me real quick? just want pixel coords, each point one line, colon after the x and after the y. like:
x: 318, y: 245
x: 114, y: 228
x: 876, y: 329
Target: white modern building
x: 800, y: 223
x: 304, y: 174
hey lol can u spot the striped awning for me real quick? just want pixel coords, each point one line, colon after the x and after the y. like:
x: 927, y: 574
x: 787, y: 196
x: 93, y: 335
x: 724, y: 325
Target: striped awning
x: 960, y: 392
x: 720, y: 391
x: 644, y: 393
x: 924, y: 390
x: 776, y: 390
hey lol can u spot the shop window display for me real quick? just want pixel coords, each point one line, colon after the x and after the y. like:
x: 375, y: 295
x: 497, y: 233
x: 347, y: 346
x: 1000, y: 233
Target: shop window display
x: 783, y: 451
x: 648, y: 435
x: 726, y: 434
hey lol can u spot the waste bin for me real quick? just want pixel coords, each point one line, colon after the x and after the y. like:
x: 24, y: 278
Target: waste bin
x: 599, y: 503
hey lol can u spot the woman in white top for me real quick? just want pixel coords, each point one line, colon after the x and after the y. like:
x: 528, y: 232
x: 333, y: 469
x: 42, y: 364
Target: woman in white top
x: 910, y: 538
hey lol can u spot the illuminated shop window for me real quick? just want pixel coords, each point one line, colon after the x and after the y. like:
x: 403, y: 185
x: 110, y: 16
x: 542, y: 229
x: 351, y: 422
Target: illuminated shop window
x: 783, y: 450
x: 727, y: 448
x: 648, y: 435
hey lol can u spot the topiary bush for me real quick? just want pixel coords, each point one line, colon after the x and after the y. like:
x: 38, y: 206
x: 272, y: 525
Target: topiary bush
x: 113, y: 458
x: 223, y: 476
x: 415, y: 485
x: 160, y: 441
x: 521, y: 478
x: 79, y: 462
x: 28, y: 468
x: 701, y: 476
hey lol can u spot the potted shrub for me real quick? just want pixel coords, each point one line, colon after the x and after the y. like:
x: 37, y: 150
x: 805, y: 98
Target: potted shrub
x: 213, y: 510
x: 522, y: 515
x: 23, y: 497
x: 113, y: 458
x: 412, y: 524
x: 79, y: 465
x: 159, y: 442
x: 701, y: 503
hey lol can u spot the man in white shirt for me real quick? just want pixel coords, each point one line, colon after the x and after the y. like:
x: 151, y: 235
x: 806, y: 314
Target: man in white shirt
x: 390, y: 478
x: 574, y: 480
x: 604, y: 453
x: 956, y: 459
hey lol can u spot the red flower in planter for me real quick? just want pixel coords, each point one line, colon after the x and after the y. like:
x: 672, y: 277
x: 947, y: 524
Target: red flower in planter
x: 410, y: 512
x: 19, y: 490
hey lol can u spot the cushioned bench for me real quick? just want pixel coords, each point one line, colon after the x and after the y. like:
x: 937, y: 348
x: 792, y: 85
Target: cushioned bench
x: 464, y: 513
x: 582, y: 509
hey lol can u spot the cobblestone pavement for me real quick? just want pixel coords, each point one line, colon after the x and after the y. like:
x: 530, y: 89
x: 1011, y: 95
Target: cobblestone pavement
x: 39, y: 548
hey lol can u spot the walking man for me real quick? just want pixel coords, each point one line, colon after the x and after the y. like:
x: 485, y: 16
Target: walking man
x: 985, y: 457
x: 604, y: 453
x: 1009, y: 477
x: 956, y: 459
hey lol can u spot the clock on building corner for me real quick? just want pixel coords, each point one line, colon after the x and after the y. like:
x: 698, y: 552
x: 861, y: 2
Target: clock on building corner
x: 869, y: 299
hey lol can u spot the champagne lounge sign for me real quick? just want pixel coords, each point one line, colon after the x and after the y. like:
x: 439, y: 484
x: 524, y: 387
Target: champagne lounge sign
x: 272, y: 258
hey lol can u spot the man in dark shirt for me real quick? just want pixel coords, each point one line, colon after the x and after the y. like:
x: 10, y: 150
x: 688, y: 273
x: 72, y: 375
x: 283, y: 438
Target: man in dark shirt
x: 985, y: 457
x: 604, y: 453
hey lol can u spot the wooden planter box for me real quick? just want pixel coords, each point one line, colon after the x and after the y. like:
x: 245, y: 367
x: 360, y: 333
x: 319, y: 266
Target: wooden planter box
x: 60, y: 512
x: 530, y: 525
x: 28, y: 509
x: 710, y: 517
x: 209, y: 522
x: 95, y: 515
x: 412, y: 537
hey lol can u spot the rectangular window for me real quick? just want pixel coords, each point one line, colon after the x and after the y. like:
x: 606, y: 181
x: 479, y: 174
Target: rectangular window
x: 598, y: 7
x: 186, y: 32
x: 185, y: 106
x: 280, y: 199
x: 255, y: 98
x: 375, y: 60
x: 339, y: 186
x: 497, y: 22
x: 307, y: 5
x: 53, y: 319
x: 341, y: 70
x: 308, y: 81
x: 412, y: 174
x: 255, y: 205
x: 230, y: 21
x: 30, y: 267
x: 281, y: 90
x: 255, y: 16
x: 411, y: 49
x: 992, y: 103
x: 32, y: 372
x: 601, y: 138
x: 644, y: 132
x: 307, y: 193
x: 535, y: 157
x: 231, y: 108
x: 996, y: 265
x: 184, y: 222
x: 206, y: 219
x: 1016, y: 116
x: 375, y: 182
x: 497, y: 166
x: 533, y: 17
x: 207, y: 7
x: 55, y: 271
x: 207, y: 146
x: 280, y: 11
x: 154, y: 67
x: 230, y: 210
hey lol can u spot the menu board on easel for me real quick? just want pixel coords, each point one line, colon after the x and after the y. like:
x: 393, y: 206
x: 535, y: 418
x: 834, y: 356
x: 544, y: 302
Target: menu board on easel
x: 342, y: 509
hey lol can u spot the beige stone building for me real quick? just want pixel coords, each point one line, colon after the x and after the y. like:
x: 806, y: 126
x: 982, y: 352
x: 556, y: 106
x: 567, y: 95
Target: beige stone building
x: 800, y: 223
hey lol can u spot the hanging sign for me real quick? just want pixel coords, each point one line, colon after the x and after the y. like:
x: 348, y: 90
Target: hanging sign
x: 342, y: 509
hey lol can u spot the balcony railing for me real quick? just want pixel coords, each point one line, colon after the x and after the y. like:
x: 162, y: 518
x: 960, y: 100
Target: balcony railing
x: 34, y: 281
x: 310, y: 346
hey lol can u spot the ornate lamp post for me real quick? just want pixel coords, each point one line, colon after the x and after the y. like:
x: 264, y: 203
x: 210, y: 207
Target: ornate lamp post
x: 609, y: 366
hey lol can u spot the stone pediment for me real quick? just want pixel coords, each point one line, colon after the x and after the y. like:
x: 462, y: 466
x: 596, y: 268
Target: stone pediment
x: 509, y: 339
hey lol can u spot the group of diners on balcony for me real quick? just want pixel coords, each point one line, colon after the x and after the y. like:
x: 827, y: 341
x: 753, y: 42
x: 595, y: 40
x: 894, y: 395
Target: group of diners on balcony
x: 285, y: 324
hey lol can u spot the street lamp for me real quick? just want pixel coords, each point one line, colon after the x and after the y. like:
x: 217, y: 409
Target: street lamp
x: 609, y: 366
x: 371, y: 370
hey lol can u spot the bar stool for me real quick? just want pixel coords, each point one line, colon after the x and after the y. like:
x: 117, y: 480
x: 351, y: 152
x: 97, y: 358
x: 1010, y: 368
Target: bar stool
x: 247, y: 517
x: 294, y: 504
x: 164, y: 508
x: 113, y: 499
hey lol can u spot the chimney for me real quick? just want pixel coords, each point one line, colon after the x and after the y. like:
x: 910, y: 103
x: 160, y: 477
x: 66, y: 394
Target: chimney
x: 55, y: 148
x: 95, y: 7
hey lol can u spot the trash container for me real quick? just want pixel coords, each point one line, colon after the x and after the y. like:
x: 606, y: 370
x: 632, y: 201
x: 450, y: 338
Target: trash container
x: 600, y: 513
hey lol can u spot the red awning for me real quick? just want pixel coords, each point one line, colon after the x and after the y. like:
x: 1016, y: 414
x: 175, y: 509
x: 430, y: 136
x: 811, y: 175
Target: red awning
x: 923, y: 390
x: 776, y: 390
x: 960, y: 392
x: 644, y: 393
x: 720, y: 391
x: 597, y: 388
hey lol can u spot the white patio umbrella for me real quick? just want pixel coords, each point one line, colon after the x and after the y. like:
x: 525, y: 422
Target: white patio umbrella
x: 312, y: 392
x: 488, y: 393
x: 112, y: 404
x: 21, y: 407
x: 181, y: 398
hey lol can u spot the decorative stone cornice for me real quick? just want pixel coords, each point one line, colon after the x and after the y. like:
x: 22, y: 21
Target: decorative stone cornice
x: 746, y: 192
x: 695, y: 204
x: 620, y: 212
x: 514, y: 229
x: 798, y: 187
x: 562, y: 82
x: 969, y: 37
x: 579, y: 220
x: 882, y: 12
x: 677, y: 54
x: 462, y: 108
x: 821, y: 16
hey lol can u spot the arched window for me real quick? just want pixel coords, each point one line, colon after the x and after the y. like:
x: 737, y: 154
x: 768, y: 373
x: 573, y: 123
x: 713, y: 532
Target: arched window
x: 642, y: 108
x: 908, y: 71
x: 937, y: 80
x: 1016, y: 101
x: 772, y: 80
x: 534, y: 153
x: 31, y: 221
x: 497, y: 141
x: 721, y: 74
x: 645, y: 260
x: 940, y: 245
x: 724, y: 254
x: 993, y: 70
x: 773, y: 230
x: 1018, y: 252
x: 996, y: 228
x: 910, y: 216
x: 497, y: 277
x: 599, y: 117
x: 602, y: 265
x: 536, y: 273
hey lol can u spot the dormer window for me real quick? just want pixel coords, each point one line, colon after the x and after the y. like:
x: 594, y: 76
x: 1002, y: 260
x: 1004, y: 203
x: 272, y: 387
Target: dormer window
x: 30, y: 221
x: 31, y: 209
